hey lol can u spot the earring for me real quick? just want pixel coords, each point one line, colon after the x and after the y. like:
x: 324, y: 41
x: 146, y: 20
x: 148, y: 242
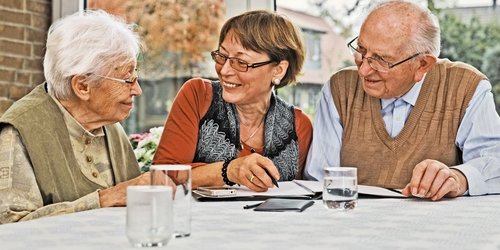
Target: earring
x: 276, y: 81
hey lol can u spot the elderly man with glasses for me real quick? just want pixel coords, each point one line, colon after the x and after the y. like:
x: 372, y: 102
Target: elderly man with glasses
x: 62, y: 148
x: 403, y: 117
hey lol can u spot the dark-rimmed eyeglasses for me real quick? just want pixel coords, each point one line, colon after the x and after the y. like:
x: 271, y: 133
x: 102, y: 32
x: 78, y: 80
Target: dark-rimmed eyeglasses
x: 375, y: 63
x: 236, y: 63
x: 130, y: 80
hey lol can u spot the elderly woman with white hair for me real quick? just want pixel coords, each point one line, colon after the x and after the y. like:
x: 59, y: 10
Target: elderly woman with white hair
x: 62, y: 148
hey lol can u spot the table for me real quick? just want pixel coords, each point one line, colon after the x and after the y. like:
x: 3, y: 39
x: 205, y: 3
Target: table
x: 461, y: 223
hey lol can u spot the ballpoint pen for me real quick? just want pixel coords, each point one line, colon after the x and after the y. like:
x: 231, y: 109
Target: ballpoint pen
x: 252, y: 206
x: 272, y: 178
x: 275, y: 182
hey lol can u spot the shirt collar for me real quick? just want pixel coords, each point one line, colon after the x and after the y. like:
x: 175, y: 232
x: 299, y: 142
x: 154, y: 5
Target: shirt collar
x: 75, y: 129
x: 410, y: 96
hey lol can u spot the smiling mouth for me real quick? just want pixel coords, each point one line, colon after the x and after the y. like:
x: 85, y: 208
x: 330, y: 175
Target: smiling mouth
x: 230, y: 85
x: 369, y: 81
x: 129, y: 104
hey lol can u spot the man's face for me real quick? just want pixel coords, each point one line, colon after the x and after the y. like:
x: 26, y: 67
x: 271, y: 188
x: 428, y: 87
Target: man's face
x: 385, y: 43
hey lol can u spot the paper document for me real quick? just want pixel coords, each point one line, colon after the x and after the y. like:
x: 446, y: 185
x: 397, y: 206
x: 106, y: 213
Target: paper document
x: 317, y: 186
x: 379, y: 191
x: 295, y: 189
x: 288, y: 189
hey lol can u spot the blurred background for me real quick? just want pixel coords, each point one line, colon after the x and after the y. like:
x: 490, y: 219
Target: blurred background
x: 179, y: 34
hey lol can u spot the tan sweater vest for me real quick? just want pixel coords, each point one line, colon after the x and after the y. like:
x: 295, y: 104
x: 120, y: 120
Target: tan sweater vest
x: 429, y: 132
x: 44, y: 134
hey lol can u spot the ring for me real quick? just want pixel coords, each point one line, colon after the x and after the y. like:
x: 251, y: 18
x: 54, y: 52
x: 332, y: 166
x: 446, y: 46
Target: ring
x: 251, y: 178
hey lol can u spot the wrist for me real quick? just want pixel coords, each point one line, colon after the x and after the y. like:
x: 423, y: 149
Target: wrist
x: 462, y: 180
x: 102, y: 198
x: 105, y: 198
x: 225, y: 166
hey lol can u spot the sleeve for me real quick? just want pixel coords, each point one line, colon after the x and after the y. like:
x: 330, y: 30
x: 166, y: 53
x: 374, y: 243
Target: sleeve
x: 304, y: 134
x: 20, y: 198
x: 327, y: 137
x: 180, y: 136
x: 478, y: 138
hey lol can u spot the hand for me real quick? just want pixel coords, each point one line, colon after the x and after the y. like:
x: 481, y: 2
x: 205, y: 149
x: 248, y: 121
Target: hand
x: 250, y: 171
x: 433, y: 179
x: 117, y: 195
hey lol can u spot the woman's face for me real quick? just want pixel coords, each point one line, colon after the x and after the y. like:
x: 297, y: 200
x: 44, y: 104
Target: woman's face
x: 243, y: 88
x: 112, y: 100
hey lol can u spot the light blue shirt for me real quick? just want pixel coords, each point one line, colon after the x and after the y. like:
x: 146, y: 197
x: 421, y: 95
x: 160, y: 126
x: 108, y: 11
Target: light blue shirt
x: 478, y: 136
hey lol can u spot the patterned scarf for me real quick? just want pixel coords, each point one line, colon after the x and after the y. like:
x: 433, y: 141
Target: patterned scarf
x: 219, y: 134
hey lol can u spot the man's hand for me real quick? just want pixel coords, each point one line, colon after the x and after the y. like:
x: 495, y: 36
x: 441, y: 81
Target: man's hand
x: 433, y: 179
x: 117, y: 195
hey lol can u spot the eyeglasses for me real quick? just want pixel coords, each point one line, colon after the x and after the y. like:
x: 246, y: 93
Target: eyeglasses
x: 131, y: 80
x: 375, y: 63
x: 236, y: 63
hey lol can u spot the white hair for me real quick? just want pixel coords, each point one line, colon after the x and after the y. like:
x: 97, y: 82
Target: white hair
x: 427, y: 33
x: 85, y: 43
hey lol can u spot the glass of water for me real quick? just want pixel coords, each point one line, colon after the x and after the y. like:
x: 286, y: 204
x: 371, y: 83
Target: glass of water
x: 178, y: 177
x: 149, y: 215
x: 340, y: 188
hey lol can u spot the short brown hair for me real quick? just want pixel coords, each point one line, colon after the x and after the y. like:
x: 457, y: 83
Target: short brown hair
x: 267, y: 32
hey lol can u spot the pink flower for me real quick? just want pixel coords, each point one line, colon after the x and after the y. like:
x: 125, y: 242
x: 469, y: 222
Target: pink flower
x: 139, y: 137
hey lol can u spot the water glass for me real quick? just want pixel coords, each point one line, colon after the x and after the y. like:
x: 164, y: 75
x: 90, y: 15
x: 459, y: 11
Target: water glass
x: 340, y: 188
x: 149, y: 215
x: 178, y: 177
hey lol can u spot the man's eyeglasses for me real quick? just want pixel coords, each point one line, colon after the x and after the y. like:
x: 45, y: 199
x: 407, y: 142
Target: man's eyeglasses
x: 377, y: 64
x: 130, y: 80
x: 237, y: 64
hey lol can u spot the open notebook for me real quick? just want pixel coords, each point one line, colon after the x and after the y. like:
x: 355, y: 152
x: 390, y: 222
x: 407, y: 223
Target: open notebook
x: 363, y: 190
x: 299, y: 189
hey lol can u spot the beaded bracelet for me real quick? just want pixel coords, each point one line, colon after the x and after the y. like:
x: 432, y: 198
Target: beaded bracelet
x: 224, y: 172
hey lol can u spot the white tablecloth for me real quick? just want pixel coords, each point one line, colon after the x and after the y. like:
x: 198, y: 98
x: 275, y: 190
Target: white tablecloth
x: 462, y: 223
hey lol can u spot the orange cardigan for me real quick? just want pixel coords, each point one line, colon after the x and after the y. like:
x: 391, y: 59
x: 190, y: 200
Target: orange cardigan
x: 180, y: 135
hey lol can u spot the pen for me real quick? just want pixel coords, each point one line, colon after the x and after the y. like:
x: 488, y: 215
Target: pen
x: 267, y: 172
x: 304, y: 186
x: 252, y: 206
x: 272, y: 178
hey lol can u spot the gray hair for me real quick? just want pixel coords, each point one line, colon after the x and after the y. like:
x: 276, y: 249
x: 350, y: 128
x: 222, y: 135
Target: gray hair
x: 86, y: 43
x: 426, y: 36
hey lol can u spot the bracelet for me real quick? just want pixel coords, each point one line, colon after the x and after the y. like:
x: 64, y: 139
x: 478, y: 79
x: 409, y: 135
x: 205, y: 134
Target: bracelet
x: 224, y: 172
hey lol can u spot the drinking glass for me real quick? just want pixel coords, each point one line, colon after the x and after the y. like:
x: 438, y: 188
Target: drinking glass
x: 149, y: 215
x: 178, y: 177
x: 340, y: 188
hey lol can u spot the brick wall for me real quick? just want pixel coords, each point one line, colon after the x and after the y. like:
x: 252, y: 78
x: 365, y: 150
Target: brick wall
x: 23, y: 30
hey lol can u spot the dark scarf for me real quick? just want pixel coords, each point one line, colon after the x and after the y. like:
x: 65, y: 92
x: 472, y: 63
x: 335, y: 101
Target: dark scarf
x: 219, y: 134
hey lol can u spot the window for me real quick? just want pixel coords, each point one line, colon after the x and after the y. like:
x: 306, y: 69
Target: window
x: 312, y: 41
x: 177, y: 37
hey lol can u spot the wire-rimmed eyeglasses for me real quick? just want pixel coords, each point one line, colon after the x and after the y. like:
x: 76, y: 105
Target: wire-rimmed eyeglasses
x: 130, y: 80
x: 375, y: 63
x: 236, y: 63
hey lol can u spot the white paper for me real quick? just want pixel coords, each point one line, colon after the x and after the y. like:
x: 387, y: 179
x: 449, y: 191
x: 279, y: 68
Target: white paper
x: 305, y: 188
x: 317, y: 186
x: 287, y: 188
x: 378, y: 191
